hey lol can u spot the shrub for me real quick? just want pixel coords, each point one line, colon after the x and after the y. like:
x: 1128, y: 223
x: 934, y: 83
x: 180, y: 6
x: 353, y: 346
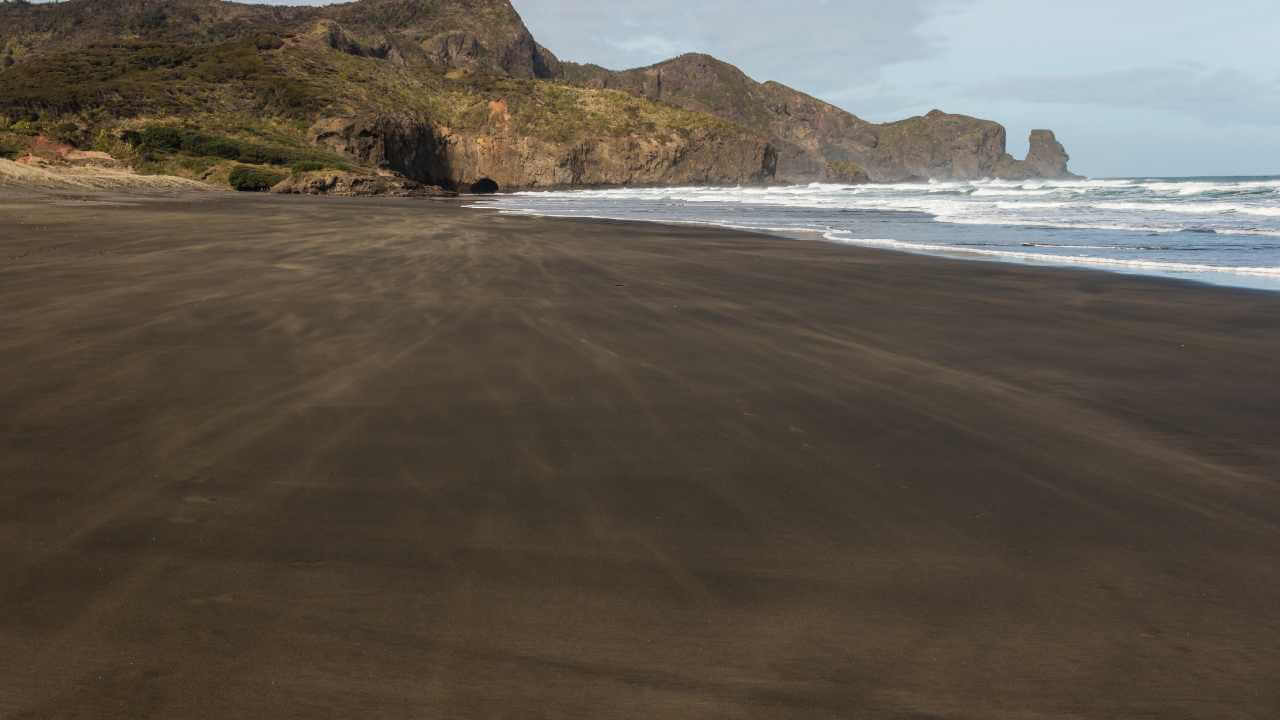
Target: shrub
x: 67, y: 132
x: 132, y: 78
x: 249, y: 179
x: 169, y: 139
x: 263, y: 155
x: 9, y: 149
x: 153, y: 19
x: 302, y: 166
x: 159, y: 137
x: 267, y: 41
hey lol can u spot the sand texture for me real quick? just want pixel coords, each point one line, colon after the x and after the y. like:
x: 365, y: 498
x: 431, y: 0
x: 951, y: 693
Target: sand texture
x: 291, y: 457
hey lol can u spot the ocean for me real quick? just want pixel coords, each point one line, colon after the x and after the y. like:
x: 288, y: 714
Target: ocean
x: 1221, y: 230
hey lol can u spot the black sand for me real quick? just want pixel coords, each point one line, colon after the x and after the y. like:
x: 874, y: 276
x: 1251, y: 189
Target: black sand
x: 284, y: 457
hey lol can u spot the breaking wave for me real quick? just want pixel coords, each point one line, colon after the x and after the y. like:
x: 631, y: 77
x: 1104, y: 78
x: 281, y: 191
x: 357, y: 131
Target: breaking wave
x: 1227, y: 227
x: 1039, y: 258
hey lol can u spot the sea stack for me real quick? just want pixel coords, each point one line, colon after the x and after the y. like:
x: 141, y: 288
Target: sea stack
x: 1047, y: 158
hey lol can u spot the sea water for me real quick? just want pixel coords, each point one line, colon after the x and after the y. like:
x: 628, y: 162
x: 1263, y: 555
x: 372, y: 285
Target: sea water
x: 1222, y: 230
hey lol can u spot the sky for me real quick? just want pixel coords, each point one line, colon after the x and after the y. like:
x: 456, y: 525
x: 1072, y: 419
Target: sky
x: 1132, y: 87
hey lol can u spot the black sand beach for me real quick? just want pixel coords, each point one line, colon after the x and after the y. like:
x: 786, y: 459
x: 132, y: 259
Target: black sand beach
x: 283, y: 457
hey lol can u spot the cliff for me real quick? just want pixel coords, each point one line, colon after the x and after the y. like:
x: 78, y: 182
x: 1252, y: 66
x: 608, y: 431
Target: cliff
x: 442, y: 92
x: 818, y: 140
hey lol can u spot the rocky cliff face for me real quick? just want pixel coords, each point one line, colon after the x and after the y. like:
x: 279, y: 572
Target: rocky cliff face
x: 483, y: 35
x: 478, y: 35
x: 1046, y: 158
x: 460, y: 158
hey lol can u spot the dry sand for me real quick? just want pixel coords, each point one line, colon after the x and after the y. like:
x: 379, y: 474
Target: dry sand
x: 17, y: 177
x: 293, y: 457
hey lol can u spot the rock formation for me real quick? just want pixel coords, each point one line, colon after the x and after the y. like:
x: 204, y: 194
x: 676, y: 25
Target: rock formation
x: 817, y: 140
x: 459, y: 158
x: 349, y: 184
x: 1047, y: 158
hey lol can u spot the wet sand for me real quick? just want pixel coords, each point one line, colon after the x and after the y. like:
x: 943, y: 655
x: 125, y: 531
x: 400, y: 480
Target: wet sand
x: 290, y: 457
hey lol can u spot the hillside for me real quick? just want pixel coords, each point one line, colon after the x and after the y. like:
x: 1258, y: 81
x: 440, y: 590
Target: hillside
x: 821, y: 138
x: 445, y: 92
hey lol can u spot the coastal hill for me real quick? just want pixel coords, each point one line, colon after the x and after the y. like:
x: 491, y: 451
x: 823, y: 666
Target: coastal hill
x: 816, y: 138
x: 439, y: 92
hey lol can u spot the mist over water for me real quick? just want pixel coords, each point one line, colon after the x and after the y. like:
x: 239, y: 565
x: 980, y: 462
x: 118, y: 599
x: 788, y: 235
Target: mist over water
x: 1224, y: 230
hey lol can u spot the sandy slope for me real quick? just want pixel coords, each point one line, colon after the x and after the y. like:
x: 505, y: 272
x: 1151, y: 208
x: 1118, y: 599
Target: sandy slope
x: 14, y: 174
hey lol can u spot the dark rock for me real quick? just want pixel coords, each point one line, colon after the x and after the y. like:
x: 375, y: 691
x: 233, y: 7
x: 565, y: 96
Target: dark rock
x: 458, y: 158
x: 348, y: 184
x: 1047, y: 158
x: 402, y: 145
x: 484, y: 186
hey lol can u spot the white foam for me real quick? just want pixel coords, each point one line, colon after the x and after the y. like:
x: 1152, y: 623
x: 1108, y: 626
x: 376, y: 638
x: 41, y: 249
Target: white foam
x: 1014, y: 192
x: 1188, y: 188
x: 1218, y: 208
x: 1145, y: 265
x: 1192, y: 208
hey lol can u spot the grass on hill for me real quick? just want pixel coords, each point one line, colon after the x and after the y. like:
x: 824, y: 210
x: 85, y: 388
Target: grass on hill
x: 126, y: 79
x: 197, y: 110
x: 11, y: 146
x: 251, y: 179
x: 170, y: 139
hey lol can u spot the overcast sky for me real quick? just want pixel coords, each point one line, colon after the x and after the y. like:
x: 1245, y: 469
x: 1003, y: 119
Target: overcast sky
x: 1132, y: 87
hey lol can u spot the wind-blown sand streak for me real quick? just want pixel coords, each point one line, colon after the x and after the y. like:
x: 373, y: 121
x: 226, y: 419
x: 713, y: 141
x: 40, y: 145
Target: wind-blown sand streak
x: 291, y: 457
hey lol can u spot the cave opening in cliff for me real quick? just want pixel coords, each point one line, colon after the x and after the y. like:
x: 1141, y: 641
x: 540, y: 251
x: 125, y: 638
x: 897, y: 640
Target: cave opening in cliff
x: 484, y: 186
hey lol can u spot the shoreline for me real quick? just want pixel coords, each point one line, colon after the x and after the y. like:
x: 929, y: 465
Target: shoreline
x: 281, y: 455
x: 1196, y: 277
x: 993, y: 225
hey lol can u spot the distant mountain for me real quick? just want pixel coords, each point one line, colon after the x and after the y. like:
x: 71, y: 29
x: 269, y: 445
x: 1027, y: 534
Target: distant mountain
x: 445, y: 92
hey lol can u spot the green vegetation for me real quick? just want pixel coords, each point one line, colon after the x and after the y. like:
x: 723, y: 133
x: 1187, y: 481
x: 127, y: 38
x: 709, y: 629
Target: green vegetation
x: 562, y: 113
x: 66, y: 132
x: 303, y: 166
x: 139, y: 78
x: 10, y: 148
x: 846, y: 170
x: 251, y: 179
x: 169, y: 139
x: 179, y: 94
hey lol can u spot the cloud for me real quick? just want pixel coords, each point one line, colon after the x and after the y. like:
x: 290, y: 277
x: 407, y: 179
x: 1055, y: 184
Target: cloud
x: 647, y: 44
x: 1213, y: 95
x: 817, y: 45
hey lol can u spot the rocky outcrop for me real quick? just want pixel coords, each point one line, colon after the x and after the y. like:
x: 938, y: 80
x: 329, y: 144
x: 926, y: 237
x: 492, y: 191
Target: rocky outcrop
x: 478, y: 35
x: 514, y: 161
x: 460, y: 158
x: 407, y: 146
x: 336, y: 37
x: 1047, y: 158
x: 486, y: 35
x: 939, y: 146
x: 348, y: 184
